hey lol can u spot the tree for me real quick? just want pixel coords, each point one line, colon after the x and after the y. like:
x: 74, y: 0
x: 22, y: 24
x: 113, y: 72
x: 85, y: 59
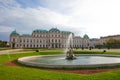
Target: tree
x: 113, y: 43
x: 3, y: 43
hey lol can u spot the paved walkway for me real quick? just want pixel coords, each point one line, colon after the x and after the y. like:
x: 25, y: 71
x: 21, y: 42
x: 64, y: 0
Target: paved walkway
x: 110, y: 50
x: 101, y: 50
x: 10, y: 51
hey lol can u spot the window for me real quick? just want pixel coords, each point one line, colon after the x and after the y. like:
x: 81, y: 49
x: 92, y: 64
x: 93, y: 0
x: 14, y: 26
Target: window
x: 24, y: 45
x: 52, y: 40
x: 56, y: 40
x: 13, y: 39
x: 59, y: 40
x: 30, y: 45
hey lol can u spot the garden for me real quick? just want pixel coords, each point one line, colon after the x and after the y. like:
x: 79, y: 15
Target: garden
x: 21, y: 72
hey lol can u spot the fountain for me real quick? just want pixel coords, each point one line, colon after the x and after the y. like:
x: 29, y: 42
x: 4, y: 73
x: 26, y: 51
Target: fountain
x: 70, y: 61
x: 68, y: 50
x: 70, y: 55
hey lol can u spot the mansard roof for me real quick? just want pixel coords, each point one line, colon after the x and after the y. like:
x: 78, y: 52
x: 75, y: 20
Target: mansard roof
x: 40, y: 30
x: 26, y: 35
x: 54, y: 30
x: 67, y: 32
x: 44, y: 31
x: 51, y: 30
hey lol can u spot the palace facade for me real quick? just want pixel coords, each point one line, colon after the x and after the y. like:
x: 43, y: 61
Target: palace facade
x: 54, y: 38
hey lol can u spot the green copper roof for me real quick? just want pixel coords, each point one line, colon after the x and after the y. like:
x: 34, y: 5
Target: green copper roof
x: 85, y: 36
x: 26, y: 35
x: 54, y: 30
x: 14, y: 33
x: 40, y: 30
x: 66, y: 32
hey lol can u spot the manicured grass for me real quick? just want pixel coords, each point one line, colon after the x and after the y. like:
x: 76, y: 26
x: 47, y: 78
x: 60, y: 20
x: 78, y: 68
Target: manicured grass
x: 26, y: 73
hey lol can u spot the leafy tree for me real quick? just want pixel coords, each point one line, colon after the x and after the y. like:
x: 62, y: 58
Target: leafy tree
x: 113, y: 43
x: 3, y: 43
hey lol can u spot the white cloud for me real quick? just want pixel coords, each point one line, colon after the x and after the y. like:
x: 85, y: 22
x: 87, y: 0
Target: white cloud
x: 94, y: 17
x: 32, y: 18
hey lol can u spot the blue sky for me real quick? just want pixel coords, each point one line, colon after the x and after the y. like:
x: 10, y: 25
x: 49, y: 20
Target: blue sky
x: 93, y: 17
x: 31, y: 3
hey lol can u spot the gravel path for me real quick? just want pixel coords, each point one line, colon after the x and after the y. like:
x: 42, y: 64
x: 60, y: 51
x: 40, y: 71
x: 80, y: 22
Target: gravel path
x: 12, y: 51
x: 101, y: 50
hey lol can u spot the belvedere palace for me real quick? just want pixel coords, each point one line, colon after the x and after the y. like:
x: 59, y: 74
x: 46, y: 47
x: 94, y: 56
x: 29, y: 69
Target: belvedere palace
x: 54, y: 38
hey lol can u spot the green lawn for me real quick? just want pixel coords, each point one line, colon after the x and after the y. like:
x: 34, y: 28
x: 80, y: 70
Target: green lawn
x: 26, y: 73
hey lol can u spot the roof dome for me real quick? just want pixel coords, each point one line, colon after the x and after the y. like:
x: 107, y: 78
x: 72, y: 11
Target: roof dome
x: 14, y: 33
x: 40, y: 30
x: 85, y: 36
x: 54, y: 30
